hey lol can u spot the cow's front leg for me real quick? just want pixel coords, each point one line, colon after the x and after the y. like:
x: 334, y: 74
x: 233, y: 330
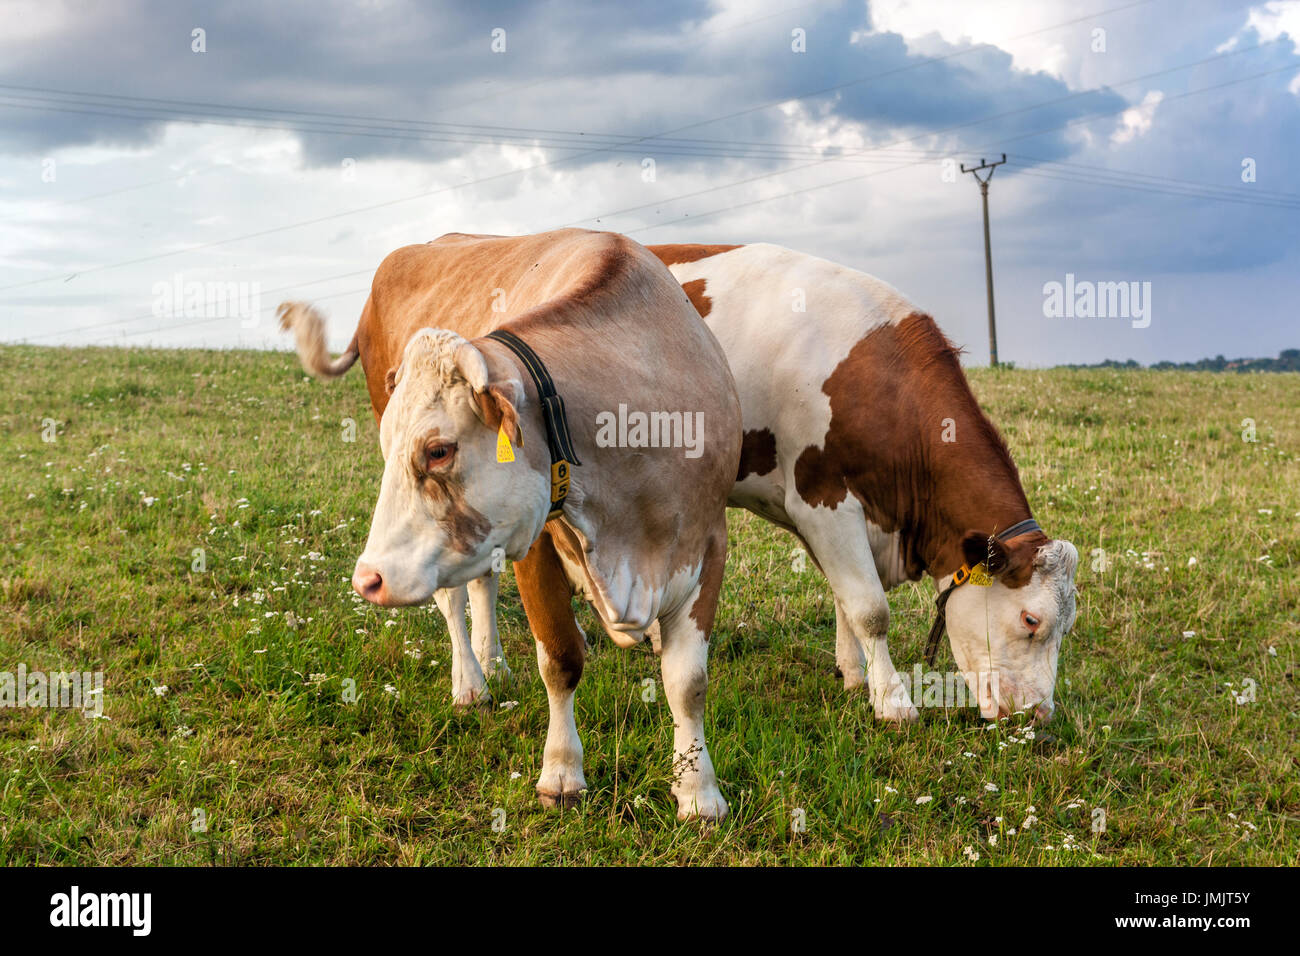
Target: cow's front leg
x: 889, y: 696
x: 467, y: 683
x: 839, y: 539
x: 483, y: 620
x: 684, y: 638
x: 561, y: 653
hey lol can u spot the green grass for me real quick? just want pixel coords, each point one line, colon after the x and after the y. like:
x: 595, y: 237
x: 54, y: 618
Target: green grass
x: 244, y: 458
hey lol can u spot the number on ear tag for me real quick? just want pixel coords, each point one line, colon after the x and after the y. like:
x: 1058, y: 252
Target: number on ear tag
x: 980, y: 577
x: 504, y: 451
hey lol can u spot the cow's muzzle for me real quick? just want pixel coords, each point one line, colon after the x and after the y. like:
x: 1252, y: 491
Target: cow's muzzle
x: 370, y: 584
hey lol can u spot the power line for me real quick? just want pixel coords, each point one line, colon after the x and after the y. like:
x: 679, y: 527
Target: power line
x: 151, y: 315
x: 1025, y: 168
x: 90, y: 98
x: 226, y: 318
x: 549, y: 163
x: 1154, y: 190
x: 664, y: 146
x: 1040, y: 132
x: 837, y: 182
x: 194, y: 108
x: 127, y: 189
x: 1235, y: 190
x: 987, y: 147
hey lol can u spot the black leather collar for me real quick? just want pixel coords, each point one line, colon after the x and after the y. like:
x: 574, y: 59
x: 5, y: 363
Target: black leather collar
x: 558, y: 439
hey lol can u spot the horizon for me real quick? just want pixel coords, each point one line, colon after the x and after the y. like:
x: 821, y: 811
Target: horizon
x: 1148, y: 146
x: 289, y: 349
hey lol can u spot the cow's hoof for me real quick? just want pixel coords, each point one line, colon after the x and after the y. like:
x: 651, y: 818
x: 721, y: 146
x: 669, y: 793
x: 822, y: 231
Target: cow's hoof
x: 897, y: 714
x: 705, y: 804
x: 471, y: 700
x: 560, y: 801
x: 853, y: 680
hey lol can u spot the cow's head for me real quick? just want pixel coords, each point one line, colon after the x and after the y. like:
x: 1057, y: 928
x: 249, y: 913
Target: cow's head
x: 1006, y: 635
x: 446, y: 502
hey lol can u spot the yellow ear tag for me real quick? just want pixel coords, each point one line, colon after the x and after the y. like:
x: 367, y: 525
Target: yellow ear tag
x: 980, y: 577
x: 504, y: 451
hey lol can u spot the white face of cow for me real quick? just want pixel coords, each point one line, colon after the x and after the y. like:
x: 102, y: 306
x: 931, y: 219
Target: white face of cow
x: 446, y: 502
x: 1007, y: 639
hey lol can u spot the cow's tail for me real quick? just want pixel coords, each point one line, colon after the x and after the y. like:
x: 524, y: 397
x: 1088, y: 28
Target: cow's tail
x: 308, y: 328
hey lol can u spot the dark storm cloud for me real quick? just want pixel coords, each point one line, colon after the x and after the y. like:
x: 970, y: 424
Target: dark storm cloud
x: 570, y: 65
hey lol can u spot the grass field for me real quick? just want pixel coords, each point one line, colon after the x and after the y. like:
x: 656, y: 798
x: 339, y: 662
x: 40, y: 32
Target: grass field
x: 158, y: 453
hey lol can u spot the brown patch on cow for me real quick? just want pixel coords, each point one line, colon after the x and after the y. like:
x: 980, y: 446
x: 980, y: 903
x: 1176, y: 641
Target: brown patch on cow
x: 673, y: 253
x: 466, y: 527
x: 695, y: 292
x: 548, y: 601
x: 757, y: 453
x: 705, y: 607
x: 889, y: 398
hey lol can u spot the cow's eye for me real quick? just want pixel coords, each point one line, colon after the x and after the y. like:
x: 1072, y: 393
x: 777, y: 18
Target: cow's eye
x: 1029, y: 622
x: 439, y: 454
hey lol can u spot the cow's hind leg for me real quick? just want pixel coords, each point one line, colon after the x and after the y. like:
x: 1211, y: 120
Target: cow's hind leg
x: 467, y: 683
x: 850, y: 662
x: 839, y: 539
x: 483, y: 620
x: 561, y: 653
x: 684, y: 637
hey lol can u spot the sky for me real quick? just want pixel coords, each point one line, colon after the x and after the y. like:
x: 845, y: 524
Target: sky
x: 169, y: 172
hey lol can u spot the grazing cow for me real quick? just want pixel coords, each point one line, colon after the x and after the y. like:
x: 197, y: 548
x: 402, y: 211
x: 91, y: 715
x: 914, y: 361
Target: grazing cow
x: 476, y: 449
x: 863, y: 438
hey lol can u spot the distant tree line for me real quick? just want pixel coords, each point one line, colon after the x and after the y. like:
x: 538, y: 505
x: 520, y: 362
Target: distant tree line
x: 1288, y: 360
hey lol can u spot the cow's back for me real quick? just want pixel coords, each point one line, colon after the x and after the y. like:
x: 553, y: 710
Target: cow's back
x: 786, y: 321
x: 470, y: 285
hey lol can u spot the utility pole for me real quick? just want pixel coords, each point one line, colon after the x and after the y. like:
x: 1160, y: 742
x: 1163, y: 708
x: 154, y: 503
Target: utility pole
x: 988, y: 252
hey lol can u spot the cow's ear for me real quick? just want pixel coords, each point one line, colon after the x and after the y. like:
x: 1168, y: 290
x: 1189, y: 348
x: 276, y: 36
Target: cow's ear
x: 497, y: 407
x: 390, y: 380
x: 507, y: 396
x: 1012, y: 563
x: 978, y: 548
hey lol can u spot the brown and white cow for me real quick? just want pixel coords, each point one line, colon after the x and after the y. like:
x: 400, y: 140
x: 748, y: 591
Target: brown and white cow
x: 862, y: 437
x: 642, y: 534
